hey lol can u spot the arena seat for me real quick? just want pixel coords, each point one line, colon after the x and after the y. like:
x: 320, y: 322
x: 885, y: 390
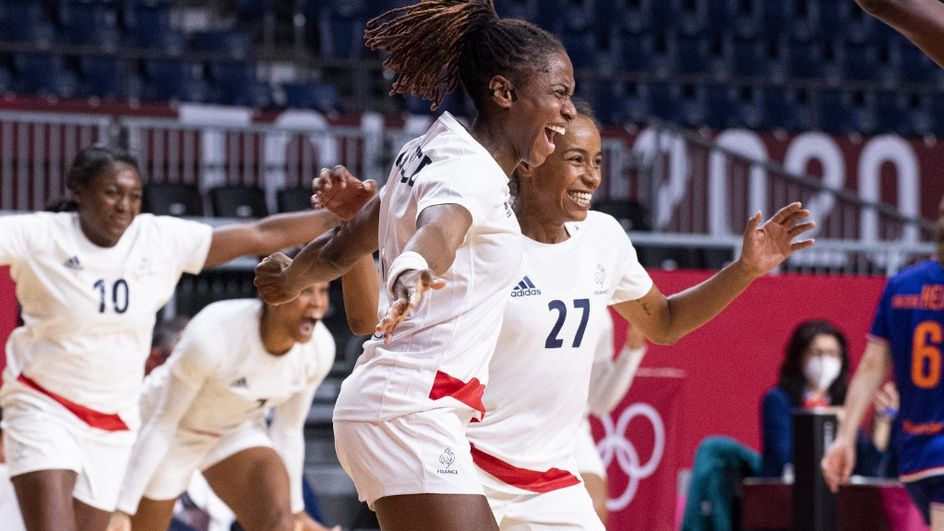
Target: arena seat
x: 322, y: 97
x: 105, y: 76
x: 237, y: 201
x: 172, y: 199
x: 174, y: 80
x: 233, y: 44
x: 40, y: 73
x: 90, y: 24
x: 294, y: 199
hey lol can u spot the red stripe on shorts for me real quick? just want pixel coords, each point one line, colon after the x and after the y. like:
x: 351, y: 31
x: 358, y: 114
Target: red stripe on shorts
x: 469, y: 393
x: 95, y: 419
x: 532, y: 480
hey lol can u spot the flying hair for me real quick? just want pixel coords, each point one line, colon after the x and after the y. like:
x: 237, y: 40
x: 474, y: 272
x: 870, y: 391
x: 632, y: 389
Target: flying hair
x: 436, y: 44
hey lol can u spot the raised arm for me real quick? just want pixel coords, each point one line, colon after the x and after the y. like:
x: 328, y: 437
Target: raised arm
x: 440, y: 230
x: 665, y: 320
x: 280, y: 279
x: 268, y: 235
x: 840, y: 459
x: 920, y: 21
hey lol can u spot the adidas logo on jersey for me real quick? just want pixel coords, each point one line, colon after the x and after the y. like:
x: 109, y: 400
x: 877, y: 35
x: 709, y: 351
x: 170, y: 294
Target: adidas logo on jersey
x: 525, y: 288
x: 73, y: 263
x: 239, y: 382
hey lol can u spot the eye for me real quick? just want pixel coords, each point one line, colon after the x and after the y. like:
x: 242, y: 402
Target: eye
x: 576, y: 158
x: 136, y: 196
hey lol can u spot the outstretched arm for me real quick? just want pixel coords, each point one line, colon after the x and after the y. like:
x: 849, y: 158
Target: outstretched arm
x: 280, y: 279
x: 668, y: 319
x: 440, y: 230
x: 840, y: 459
x: 268, y: 235
x: 921, y: 21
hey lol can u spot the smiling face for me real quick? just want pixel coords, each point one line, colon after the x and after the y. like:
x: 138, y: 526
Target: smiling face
x: 109, y: 203
x: 561, y: 188
x: 297, y: 319
x: 543, y: 109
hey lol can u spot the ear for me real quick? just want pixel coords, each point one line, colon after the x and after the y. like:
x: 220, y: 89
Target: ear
x: 502, y: 91
x: 524, y: 170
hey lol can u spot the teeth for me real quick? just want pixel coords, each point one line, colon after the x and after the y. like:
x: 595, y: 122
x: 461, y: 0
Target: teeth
x: 557, y: 129
x: 582, y: 198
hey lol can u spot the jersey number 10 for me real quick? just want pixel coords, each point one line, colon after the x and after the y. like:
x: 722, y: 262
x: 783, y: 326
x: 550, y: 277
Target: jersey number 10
x: 119, y: 295
x: 926, y: 354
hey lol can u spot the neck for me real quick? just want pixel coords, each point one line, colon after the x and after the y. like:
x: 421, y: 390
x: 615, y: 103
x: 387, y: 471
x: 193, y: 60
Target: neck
x: 493, y: 140
x: 535, y: 224
x: 274, y: 341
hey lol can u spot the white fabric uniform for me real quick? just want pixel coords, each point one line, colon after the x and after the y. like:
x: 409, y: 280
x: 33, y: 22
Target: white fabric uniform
x: 550, y: 332
x: 88, y: 312
x: 610, y: 379
x: 10, y: 514
x: 438, y: 357
x: 209, y: 401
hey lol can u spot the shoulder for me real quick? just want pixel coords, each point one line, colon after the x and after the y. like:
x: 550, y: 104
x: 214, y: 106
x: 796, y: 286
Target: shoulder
x: 776, y: 397
x: 232, y: 312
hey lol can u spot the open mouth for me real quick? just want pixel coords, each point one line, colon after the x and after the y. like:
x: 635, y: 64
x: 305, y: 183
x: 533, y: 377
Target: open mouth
x: 307, y: 325
x: 581, y: 198
x: 550, y: 131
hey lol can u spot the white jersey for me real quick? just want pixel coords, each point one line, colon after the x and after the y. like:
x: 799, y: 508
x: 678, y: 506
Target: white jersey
x: 541, y: 369
x: 439, y: 355
x: 234, y: 382
x: 88, y: 311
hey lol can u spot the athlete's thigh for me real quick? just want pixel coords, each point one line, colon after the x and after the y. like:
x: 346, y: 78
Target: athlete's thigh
x: 434, y: 512
x: 88, y: 518
x: 253, y: 483
x: 153, y: 515
x: 45, y: 499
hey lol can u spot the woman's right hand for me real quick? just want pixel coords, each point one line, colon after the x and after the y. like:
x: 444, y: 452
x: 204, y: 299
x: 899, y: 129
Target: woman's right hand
x: 119, y: 521
x: 272, y: 282
x: 341, y: 192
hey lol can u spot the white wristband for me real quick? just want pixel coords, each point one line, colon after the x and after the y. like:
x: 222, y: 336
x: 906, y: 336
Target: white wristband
x: 408, y: 260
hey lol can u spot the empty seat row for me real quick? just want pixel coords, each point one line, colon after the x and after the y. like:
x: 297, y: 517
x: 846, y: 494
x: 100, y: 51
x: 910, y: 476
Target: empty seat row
x: 247, y: 202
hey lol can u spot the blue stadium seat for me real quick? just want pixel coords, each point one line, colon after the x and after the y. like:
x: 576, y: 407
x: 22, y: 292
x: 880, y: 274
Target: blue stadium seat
x: 636, y: 51
x: 6, y: 80
x: 663, y: 100
x: 814, y: 59
x: 43, y: 74
x: 322, y: 97
x: 150, y: 28
x: 721, y: 106
x: 104, y: 77
x: 863, y: 61
x: 523, y: 9
x: 341, y: 34
x: 234, y: 44
x: 913, y: 66
x: 748, y: 18
x: 918, y: 119
x: 891, y: 112
x: 173, y: 80
x: 692, y: 105
x: 90, y: 24
x: 629, y: 16
x: 581, y: 46
x: 833, y: 110
x: 694, y: 55
x: 780, y: 109
x: 236, y: 83
x: 26, y: 22
x: 760, y: 57
x: 693, y: 17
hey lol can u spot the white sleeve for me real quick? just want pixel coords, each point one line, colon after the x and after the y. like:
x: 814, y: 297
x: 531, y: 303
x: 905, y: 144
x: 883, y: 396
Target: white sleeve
x: 155, y: 439
x: 188, y: 241
x: 18, y: 235
x: 288, y: 439
x: 451, y: 182
x: 631, y: 280
x: 611, y: 379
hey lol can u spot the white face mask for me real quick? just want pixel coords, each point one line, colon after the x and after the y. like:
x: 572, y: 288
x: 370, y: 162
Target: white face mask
x: 821, y: 371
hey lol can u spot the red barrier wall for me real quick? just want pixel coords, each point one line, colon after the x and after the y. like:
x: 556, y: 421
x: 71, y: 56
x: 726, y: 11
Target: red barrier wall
x: 731, y: 361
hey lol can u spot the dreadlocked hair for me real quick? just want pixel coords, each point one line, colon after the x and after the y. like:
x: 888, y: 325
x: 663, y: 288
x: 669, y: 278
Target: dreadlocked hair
x: 435, y: 44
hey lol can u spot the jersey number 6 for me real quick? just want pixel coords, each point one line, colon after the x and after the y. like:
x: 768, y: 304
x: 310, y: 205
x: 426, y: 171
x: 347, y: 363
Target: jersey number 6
x: 925, y: 356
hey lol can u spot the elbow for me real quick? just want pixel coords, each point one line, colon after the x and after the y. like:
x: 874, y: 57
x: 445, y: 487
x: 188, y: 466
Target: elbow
x: 666, y: 338
x: 361, y: 326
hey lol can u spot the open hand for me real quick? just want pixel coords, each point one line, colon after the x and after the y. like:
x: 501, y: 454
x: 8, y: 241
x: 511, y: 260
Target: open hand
x: 837, y: 463
x: 768, y: 245
x: 409, y: 289
x: 341, y: 192
x: 271, y: 280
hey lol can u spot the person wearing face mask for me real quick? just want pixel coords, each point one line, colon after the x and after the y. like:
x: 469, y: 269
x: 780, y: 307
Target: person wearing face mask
x: 814, y: 374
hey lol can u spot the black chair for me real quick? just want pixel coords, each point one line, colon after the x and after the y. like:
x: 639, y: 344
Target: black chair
x: 172, y: 199
x: 294, y: 199
x: 238, y: 202
x: 629, y: 212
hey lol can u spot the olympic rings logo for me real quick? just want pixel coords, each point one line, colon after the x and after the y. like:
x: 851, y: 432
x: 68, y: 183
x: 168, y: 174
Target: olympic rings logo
x: 615, y: 444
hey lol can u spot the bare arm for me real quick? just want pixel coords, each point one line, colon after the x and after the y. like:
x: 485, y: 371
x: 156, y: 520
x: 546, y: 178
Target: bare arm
x: 268, y: 235
x: 360, y: 288
x: 839, y: 460
x: 921, y: 21
x: 279, y: 280
x: 667, y: 319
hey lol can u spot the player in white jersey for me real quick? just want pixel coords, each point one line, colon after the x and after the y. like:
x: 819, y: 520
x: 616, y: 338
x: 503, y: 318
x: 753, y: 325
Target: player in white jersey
x: 610, y: 379
x: 90, y: 283
x: 575, y: 264
x: 443, y: 221
x: 205, y: 409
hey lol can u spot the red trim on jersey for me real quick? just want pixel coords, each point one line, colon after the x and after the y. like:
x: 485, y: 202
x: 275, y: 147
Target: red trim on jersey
x: 532, y: 480
x: 469, y: 393
x: 95, y: 419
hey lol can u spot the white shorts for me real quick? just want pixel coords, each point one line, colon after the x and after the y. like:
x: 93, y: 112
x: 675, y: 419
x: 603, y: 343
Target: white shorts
x: 40, y: 434
x: 588, y: 458
x: 425, y: 452
x: 521, y: 510
x: 190, y: 452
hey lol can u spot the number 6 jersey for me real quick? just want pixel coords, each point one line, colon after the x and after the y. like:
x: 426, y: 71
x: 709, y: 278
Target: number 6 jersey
x: 910, y: 318
x: 540, y: 373
x: 88, y: 311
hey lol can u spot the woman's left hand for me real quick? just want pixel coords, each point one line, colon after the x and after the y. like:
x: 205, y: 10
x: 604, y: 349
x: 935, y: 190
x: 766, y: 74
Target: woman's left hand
x: 768, y: 245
